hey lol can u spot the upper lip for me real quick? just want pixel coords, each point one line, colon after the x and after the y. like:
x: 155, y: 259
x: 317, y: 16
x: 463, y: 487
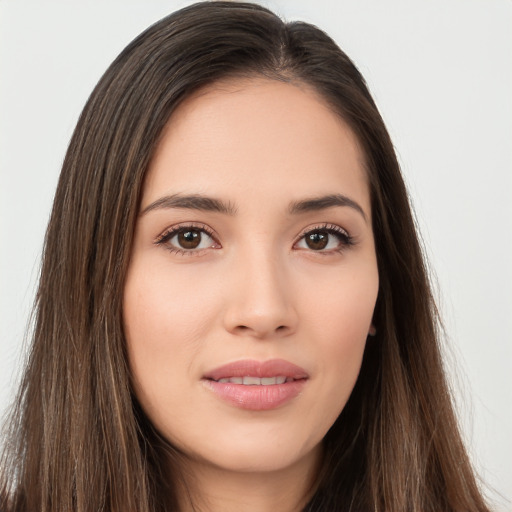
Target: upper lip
x: 252, y: 368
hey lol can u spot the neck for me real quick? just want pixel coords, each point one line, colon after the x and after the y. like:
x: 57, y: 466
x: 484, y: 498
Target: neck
x: 212, y: 489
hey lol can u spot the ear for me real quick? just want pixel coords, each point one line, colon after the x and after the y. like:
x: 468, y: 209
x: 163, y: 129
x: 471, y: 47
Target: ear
x: 372, y: 331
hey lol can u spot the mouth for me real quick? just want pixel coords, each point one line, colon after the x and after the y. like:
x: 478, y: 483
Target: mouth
x: 256, y: 381
x: 250, y: 372
x: 255, y: 385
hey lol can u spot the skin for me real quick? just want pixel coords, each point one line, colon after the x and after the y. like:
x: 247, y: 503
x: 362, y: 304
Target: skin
x: 254, y: 290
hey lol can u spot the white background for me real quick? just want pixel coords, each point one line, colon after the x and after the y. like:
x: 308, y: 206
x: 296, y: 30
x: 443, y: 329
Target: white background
x: 441, y: 73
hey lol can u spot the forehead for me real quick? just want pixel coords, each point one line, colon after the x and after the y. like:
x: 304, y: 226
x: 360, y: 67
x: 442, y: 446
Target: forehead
x: 247, y: 135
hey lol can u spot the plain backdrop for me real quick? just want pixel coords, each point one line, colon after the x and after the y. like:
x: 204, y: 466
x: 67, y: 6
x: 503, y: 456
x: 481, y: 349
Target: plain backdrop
x: 441, y: 73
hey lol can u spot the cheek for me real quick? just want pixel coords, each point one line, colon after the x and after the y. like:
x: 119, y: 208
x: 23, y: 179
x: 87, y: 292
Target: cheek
x: 340, y: 318
x: 163, y: 329
x: 342, y: 303
x: 161, y: 306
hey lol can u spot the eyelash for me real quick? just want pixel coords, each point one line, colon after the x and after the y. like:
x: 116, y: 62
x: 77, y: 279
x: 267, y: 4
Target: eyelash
x: 167, y: 235
x: 344, y: 238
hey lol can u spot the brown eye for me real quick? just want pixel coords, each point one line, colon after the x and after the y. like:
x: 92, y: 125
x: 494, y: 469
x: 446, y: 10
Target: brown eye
x: 317, y: 240
x: 331, y: 238
x: 189, y: 239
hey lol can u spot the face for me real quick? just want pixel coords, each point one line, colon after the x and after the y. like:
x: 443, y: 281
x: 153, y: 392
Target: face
x: 253, y: 276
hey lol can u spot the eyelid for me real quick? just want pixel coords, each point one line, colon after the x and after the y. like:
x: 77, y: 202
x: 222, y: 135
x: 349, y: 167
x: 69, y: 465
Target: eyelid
x: 327, y: 226
x: 346, y: 239
x: 169, y: 232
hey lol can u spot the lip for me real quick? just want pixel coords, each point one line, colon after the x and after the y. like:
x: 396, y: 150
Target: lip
x: 257, y: 397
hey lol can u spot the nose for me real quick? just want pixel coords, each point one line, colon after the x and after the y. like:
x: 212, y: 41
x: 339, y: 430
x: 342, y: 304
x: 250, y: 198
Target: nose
x: 260, y: 302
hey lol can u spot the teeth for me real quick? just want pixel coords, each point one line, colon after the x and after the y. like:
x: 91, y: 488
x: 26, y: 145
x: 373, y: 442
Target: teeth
x: 252, y: 381
x: 256, y: 381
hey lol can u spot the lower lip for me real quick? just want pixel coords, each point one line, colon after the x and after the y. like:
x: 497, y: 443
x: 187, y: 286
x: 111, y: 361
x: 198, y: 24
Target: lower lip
x: 257, y: 398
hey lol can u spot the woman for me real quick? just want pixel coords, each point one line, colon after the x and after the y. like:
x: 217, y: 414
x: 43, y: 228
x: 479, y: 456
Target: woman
x: 233, y: 311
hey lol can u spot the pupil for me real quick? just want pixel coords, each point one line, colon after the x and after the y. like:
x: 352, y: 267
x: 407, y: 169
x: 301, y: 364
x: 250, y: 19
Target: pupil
x: 189, y: 239
x: 317, y: 240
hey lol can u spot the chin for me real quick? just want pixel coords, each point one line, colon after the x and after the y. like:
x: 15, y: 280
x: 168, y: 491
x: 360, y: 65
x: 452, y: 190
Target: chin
x: 252, y: 452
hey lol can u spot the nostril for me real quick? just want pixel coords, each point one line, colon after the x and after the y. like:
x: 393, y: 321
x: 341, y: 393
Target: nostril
x: 244, y: 329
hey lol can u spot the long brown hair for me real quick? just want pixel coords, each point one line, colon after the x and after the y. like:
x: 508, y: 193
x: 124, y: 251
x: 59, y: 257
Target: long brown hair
x: 79, y: 441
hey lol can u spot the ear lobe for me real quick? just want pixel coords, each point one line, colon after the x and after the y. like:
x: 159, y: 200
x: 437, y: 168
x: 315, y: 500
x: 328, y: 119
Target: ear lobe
x: 372, y: 331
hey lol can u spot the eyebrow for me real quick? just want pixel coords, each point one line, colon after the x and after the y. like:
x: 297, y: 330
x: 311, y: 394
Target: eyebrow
x: 324, y: 202
x: 191, y: 202
x: 210, y: 204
